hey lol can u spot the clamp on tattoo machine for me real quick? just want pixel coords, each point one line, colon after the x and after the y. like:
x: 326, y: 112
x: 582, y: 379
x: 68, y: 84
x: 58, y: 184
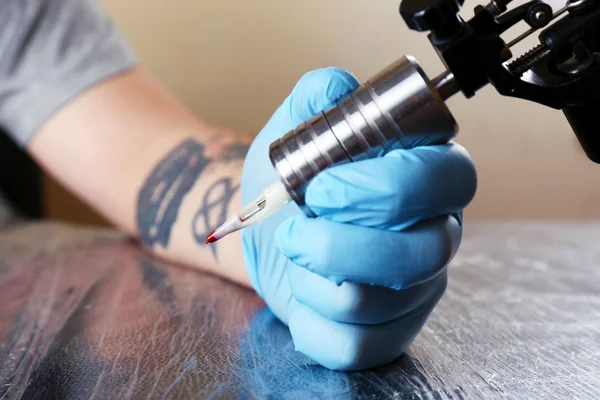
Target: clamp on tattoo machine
x: 401, y: 107
x: 562, y: 72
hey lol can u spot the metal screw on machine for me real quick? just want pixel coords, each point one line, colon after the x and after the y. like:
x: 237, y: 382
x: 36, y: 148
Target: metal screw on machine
x: 438, y: 16
x: 497, y: 7
x: 540, y: 15
x: 397, y: 108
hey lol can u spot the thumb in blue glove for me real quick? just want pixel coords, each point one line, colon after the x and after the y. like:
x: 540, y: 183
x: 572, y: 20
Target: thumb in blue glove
x: 356, y: 284
x: 315, y: 92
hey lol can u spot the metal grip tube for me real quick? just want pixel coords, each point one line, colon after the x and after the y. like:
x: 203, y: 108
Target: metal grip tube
x: 399, y: 108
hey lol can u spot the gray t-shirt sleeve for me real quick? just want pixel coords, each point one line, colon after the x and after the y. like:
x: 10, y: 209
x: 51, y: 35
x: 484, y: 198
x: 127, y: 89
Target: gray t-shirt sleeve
x: 51, y: 51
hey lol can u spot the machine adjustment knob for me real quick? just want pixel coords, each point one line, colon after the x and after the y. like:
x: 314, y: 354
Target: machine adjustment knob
x: 431, y: 15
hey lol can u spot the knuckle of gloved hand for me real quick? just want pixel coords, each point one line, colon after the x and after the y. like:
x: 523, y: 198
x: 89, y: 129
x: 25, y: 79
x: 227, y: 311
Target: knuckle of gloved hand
x: 317, y: 90
x: 310, y: 77
x: 353, y: 353
x: 434, y: 252
x: 351, y: 347
x: 334, y: 345
x: 322, y: 257
x: 349, y: 302
x: 426, y: 174
x: 404, y: 192
x: 438, y: 288
x: 343, y: 303
x: 395, y: 194
x: 441, y: 247
x: 363, y: 350
x: 350, y: 355
x: 466, y: 173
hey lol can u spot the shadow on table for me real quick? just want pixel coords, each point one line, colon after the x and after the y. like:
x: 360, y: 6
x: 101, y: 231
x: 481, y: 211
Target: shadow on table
x: 274, y: 369
x: 96, y: 318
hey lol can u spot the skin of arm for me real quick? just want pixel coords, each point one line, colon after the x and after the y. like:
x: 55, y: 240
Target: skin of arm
x: 140, y: 158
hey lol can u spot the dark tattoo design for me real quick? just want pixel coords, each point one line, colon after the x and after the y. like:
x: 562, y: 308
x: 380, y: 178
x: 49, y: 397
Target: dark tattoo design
x: 163, y: 192
x: 171, y: 181
x: 217, y: 197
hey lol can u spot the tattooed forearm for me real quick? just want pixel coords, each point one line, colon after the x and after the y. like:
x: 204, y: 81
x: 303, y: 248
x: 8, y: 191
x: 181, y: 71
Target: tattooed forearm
x: 213, y: 211
x: 172, y: 180
x: 161, y: 196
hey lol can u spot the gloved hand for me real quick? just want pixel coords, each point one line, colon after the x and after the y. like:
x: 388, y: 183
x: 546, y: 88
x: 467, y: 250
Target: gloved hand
x: 356, y: 284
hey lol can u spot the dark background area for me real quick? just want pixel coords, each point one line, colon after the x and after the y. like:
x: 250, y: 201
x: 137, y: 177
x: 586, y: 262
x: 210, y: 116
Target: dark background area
x: 35, y: 194
x: 20, y: 179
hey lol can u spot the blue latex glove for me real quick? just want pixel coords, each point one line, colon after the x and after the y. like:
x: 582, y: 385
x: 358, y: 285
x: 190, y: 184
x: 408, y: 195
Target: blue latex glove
x: 356, y: 284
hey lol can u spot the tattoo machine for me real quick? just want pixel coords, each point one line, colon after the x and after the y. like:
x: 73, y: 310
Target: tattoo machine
x: 401, y: 107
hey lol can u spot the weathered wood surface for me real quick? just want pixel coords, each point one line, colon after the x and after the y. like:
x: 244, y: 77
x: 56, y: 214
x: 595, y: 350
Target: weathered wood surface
x: 85, y: 314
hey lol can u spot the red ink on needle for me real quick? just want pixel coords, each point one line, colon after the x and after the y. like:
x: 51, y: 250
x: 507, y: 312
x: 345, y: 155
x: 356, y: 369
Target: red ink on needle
x: 211, y: 238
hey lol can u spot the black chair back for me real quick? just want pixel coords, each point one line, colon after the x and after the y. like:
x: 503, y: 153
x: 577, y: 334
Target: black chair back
x: 21, y: 180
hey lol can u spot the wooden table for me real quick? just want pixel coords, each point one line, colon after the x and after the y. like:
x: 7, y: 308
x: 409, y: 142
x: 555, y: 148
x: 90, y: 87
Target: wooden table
x: 85, y: 314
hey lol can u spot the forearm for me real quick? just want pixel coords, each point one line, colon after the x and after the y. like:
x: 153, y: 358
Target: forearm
x: 188, y: 194
x: 146, y: 163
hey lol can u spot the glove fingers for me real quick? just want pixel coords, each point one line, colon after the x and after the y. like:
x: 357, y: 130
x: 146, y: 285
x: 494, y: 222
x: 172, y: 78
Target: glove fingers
x: 316, y: 91
x: 356, y: 303
x: 396, y: 260
x: 394, y: 191
x: 350, y: 347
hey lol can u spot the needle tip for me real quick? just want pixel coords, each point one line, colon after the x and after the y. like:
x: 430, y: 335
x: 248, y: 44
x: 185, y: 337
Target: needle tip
x: 211, y: 238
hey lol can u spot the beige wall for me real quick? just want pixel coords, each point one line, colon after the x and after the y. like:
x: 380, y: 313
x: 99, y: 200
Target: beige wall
x: 235, y: 61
